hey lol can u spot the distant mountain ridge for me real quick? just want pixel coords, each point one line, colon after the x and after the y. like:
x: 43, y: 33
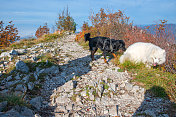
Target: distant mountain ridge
x: 171, y: 27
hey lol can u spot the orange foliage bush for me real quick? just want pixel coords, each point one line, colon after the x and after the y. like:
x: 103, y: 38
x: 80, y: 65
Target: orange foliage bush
x: 8, y: 35
x: 80, y: 36
x: 41, y: 31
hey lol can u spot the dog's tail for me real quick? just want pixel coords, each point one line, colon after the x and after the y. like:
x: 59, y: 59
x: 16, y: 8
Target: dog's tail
x: 87, y: 37
x: 124, y: 57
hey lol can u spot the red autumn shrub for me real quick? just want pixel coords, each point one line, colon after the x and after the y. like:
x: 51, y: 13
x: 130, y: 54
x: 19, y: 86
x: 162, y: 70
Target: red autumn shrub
x: 41, y: 31
x: 8, y: 34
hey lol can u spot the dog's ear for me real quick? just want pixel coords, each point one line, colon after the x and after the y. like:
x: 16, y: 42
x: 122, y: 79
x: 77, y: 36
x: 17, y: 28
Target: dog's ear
x: 87, y: 35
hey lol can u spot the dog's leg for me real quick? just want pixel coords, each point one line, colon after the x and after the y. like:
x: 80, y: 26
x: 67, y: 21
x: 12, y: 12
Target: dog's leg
x: 114, y: 55
x: 92, y: 53
x: 104, y: 54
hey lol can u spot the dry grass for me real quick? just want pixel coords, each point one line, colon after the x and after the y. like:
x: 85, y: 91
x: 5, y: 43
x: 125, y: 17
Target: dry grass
x: 26, y: 43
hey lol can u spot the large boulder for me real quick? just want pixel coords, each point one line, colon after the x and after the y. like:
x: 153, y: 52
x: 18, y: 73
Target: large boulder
x: 18, y: 111
x: 36, y: 102
x: 21, y: 87
x: 13, y: 52
x: 21, y: 66
x: 21, y: 51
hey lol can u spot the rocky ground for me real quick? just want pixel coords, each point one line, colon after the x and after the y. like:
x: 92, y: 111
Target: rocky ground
x: 75, y: 86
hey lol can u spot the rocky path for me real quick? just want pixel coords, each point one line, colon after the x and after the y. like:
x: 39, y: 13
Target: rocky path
x: 74, y: 86
x: 85, y: 88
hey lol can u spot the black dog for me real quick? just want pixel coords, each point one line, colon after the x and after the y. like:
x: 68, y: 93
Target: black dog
x: 106, y: 45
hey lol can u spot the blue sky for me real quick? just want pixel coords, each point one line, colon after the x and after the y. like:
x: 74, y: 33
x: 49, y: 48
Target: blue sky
x: 28, y: 15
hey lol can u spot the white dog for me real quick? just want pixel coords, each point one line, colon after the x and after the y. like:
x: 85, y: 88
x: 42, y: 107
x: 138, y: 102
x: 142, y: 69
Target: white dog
x: 147, y: 53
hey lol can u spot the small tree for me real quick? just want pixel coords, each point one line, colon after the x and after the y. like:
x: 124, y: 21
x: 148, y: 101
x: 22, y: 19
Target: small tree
x: 41, y: 31
x: 8, y: 35
x: 66, y: 22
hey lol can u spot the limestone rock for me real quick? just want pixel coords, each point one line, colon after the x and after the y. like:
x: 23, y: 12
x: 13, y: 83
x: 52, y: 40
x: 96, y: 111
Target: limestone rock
x: 30, y: 85
x: 9, y: 78
x: 21, y: 66
x: 13, y: 52
x: 4, y: 54
x: 21, y: 87
x: 36, y: 102
x: 128, y: 87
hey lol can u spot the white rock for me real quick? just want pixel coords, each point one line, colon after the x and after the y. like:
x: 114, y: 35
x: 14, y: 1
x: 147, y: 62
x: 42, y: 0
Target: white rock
x: 4, y: 54
x: 112, y: 86
x: 83, y: 93
x: 69, y: 107
x: 21, y: 51
x: 62, y: 99
x: 37, y: 115
x: 113, y: 111
x: 122, y: 85
x: 128, y: 86
x: 135, y: 88
x: 91, y: 97
x: 122, y: 91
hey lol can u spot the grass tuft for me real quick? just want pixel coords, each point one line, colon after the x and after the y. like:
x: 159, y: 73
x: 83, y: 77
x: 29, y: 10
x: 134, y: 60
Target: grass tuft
x: 12, y: 100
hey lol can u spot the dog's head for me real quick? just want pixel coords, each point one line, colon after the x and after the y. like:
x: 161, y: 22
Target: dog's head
x: 122, y: 45
x: 159, y: 57
x: 86, y: 37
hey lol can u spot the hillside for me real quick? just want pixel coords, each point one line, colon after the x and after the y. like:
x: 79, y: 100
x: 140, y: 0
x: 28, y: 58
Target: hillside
x: 58, y: 79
